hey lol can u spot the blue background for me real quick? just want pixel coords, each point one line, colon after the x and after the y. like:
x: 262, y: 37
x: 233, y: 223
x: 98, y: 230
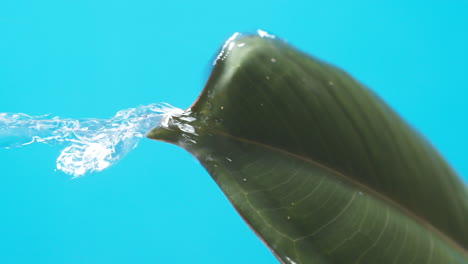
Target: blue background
x: 92, y: 58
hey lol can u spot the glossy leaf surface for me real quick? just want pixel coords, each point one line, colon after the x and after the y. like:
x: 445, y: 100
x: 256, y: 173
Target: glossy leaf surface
x: 318, y: 166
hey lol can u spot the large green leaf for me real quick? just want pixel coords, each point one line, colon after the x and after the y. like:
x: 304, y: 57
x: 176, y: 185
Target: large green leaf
x: 317, y: 165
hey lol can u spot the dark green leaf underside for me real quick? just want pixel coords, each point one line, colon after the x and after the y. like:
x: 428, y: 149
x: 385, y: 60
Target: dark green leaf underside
x: 320, y: 168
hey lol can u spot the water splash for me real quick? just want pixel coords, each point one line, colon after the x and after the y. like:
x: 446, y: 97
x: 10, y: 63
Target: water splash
x: 91, y: 144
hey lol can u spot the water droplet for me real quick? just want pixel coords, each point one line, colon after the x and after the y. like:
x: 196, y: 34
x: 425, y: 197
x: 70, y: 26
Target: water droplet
x: 290, y: 260
x: 187, y: 128
x: 265, y: 34
x: 273, y: 60
x: 230, y: 160
x: 209, y: 158
x: 245, y: 179
x: 228, y: 45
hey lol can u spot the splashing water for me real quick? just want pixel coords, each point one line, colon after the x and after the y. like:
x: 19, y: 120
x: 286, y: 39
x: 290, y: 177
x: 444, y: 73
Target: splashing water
x: 91, y: 144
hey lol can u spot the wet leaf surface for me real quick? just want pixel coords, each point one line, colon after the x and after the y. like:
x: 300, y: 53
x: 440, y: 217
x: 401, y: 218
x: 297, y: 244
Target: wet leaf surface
x: 317, y: 165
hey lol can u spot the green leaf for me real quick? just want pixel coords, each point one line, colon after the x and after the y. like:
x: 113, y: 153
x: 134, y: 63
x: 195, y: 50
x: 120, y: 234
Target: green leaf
x: 318, y: 166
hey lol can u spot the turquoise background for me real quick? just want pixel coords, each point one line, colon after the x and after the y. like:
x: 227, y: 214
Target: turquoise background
x: 92, y: 58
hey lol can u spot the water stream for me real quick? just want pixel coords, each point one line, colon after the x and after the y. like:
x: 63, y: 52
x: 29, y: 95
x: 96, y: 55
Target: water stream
x: 90, y: 145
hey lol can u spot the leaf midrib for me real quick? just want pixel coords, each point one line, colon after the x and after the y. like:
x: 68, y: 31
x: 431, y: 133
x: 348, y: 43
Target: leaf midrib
x: 363, y: 187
